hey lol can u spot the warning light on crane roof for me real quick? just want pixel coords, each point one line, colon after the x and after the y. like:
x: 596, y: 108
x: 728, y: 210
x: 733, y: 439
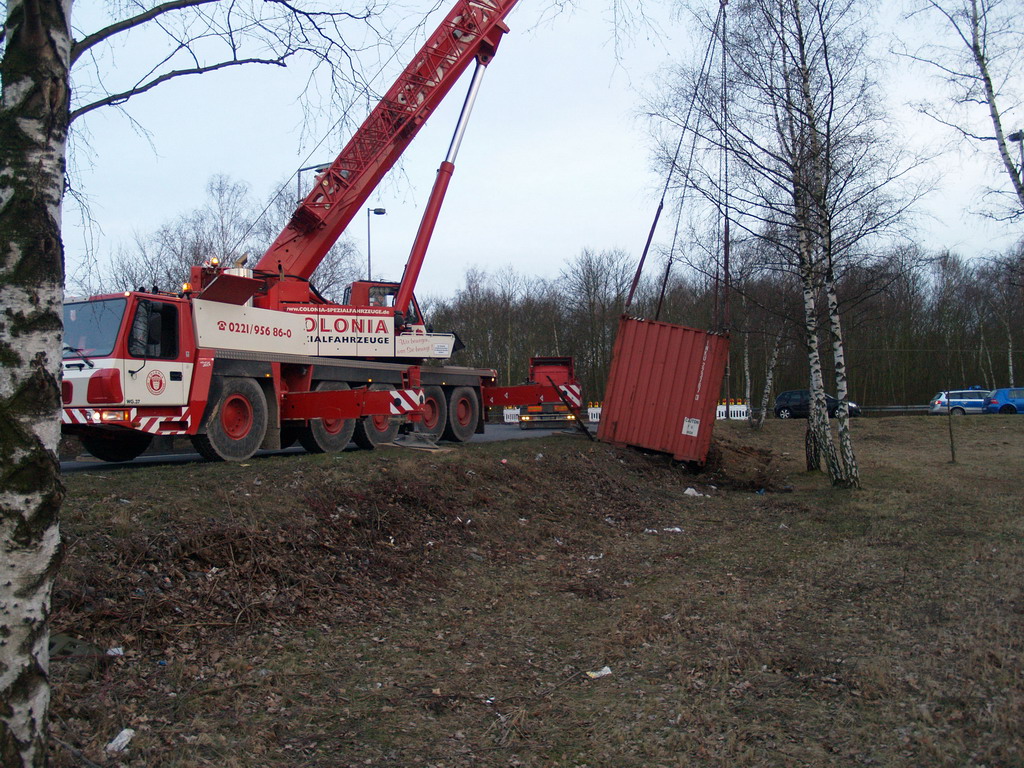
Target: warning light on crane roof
x: 186, y: 287
x: 214, y: 262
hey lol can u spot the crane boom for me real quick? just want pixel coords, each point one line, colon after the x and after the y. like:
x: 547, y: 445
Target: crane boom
x: 471, y: 31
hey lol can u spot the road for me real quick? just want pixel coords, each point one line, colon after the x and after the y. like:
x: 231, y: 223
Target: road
x: 494, y: 433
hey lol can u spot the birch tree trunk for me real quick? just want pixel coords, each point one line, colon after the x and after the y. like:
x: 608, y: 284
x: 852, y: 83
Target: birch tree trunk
x: 816, y: 249
x: 1009, y: 351
x: 978, y: 24
x: 817, y: 418
x: 34, y: 108
x: 747, y: 384
x: 769, y: 379
x: 851, y: 473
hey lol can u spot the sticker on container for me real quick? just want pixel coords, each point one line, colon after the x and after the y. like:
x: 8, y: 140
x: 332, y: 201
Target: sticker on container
x: 691, y: 427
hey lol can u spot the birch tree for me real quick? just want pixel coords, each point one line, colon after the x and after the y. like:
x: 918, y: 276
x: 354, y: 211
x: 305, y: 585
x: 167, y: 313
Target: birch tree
x: 38, y: 48
x: 34, y: 116
x: 976, y: 53
x: 812, y: 171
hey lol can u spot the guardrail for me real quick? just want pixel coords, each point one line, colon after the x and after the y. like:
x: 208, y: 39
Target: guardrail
x: 739, y: 412
x: 895, y: 410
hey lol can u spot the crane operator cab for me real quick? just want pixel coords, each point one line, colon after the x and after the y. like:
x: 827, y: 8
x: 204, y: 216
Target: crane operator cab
x: 413, y: 338
x: 364, y: 293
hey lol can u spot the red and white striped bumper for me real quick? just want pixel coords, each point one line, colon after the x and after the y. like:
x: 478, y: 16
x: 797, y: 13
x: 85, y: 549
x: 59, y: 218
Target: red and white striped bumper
x: 171, y: 421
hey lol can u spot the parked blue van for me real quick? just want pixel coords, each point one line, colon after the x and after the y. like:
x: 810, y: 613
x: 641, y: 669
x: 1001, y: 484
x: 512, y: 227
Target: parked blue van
x: 1006, y: 400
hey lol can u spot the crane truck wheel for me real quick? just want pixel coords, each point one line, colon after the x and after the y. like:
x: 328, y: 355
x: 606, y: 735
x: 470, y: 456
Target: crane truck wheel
x: 236, y: 420
x: 435, y: 413
x: 328, y: 435
x: 120, y: 447
x: 372, y: 431
x: 463, y: 412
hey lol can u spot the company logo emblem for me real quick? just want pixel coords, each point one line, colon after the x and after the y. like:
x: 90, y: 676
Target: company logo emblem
x: 155, y: 382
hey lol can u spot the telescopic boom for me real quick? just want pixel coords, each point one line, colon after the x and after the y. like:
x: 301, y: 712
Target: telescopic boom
x: 471, y: 31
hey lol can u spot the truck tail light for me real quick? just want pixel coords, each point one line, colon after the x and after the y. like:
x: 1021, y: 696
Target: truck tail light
x: 105, y: 387
x: 66, y: 392
x: 107, y: 415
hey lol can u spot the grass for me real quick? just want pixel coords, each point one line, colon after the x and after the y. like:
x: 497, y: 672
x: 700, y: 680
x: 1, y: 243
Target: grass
x: 415, y: 609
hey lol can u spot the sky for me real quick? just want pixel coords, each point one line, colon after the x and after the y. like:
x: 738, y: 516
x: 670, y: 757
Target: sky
x: 556, y: 158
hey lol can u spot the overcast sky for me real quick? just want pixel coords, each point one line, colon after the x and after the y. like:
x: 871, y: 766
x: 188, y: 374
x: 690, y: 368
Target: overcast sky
x: 555, y: 159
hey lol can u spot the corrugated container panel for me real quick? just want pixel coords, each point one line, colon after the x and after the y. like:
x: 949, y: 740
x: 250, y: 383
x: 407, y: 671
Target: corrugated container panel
x: 663, y: 388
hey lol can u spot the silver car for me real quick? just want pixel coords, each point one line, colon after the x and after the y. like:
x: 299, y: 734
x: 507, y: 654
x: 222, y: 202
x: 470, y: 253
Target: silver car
x: 959, y: 401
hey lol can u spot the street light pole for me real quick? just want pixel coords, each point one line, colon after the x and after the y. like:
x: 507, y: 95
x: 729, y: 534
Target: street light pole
x: 376, y: 212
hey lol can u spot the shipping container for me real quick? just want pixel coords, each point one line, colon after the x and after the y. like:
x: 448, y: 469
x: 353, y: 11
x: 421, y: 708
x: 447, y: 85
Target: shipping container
x: 663, y: 388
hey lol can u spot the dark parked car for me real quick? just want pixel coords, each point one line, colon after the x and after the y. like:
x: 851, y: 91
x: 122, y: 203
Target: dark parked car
x: 796, y: 404
x: 1006, y: 400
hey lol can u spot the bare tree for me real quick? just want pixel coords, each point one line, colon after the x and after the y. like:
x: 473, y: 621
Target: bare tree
x: 162, y: 259
x: 1003, y: 300
x: 595, y: 285
x: 811, y: 169
x: 38, y: 48
x: 977, y: 53
x: 203, y: 36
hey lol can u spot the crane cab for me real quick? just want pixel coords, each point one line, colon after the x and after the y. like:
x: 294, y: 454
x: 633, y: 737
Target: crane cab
x: 370, y: 293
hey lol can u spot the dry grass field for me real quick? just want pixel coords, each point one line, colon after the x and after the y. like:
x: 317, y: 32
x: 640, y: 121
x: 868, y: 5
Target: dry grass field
x: 444, y: 609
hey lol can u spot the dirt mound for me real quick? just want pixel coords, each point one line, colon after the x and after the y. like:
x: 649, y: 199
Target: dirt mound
x: 739, y: 466
x: 193, y: 571
x: 314, y: 545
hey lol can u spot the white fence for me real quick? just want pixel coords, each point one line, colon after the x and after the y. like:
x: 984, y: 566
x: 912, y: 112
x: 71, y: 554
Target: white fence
x: 732, y: 411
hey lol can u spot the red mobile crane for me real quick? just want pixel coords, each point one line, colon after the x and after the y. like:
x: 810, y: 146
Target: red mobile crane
x: 245, y: 358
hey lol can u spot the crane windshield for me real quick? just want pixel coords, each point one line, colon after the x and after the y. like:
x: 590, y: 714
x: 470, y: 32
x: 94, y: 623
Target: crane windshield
x: 91, y: 327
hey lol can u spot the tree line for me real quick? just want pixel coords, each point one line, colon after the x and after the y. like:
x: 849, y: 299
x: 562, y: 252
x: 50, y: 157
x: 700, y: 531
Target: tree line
x: 916, y: 322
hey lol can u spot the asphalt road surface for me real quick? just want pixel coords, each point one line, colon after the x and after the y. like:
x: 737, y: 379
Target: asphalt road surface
x: 85, y: 463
